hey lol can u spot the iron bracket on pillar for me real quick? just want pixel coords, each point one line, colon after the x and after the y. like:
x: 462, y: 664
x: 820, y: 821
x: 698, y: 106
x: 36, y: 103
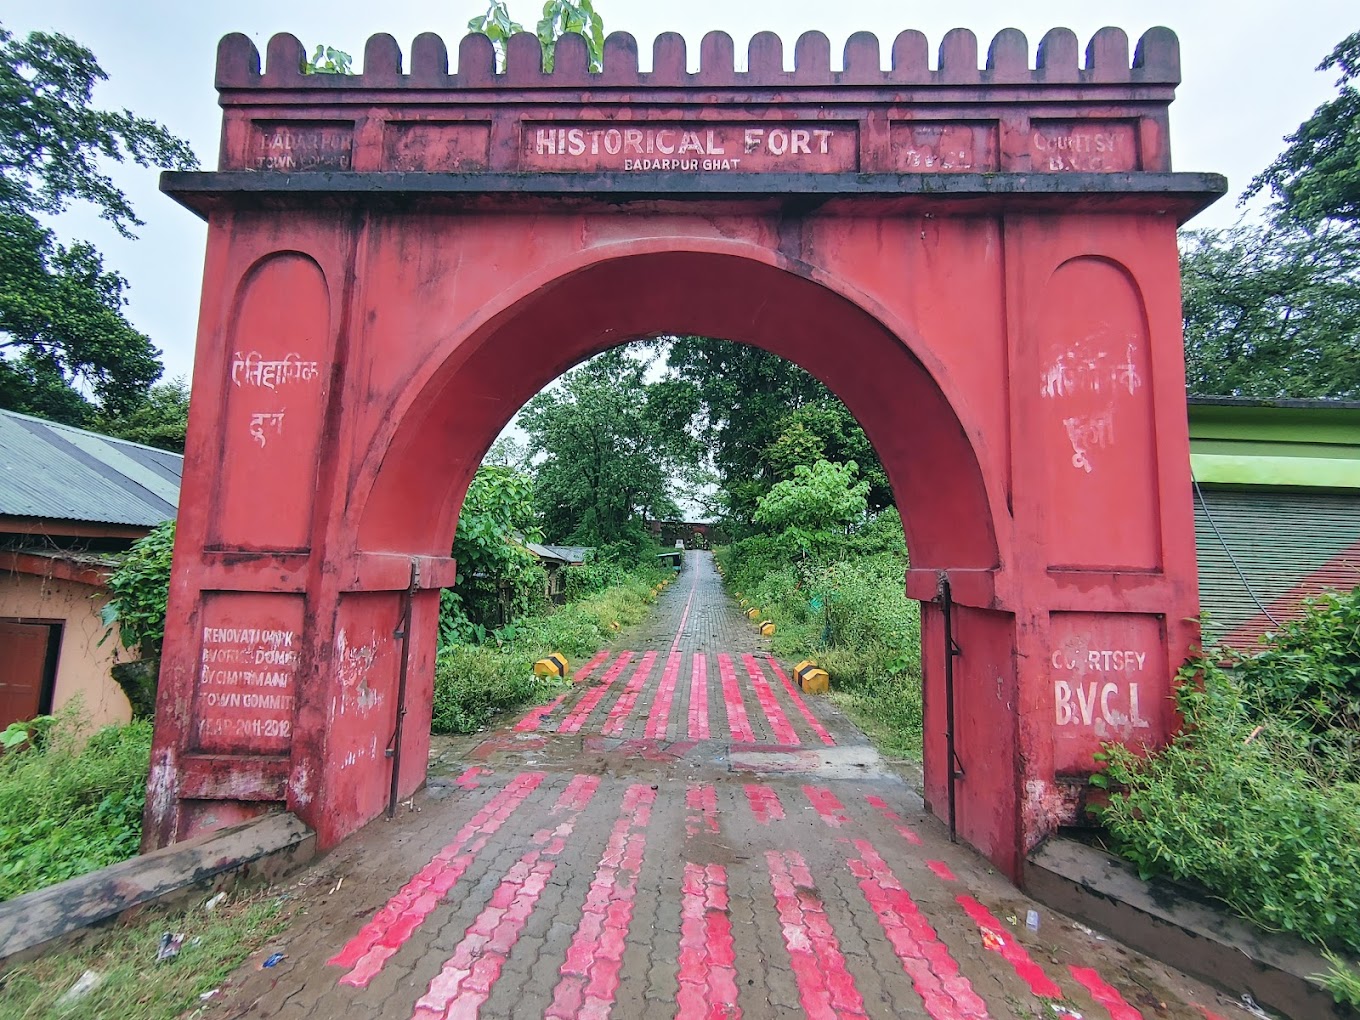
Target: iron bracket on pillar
x: 402, y: 634
x: 952, y: 650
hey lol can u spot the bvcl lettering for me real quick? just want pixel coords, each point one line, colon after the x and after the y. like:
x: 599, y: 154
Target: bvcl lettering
x: 1100, y: 702
x: 1076, y: 704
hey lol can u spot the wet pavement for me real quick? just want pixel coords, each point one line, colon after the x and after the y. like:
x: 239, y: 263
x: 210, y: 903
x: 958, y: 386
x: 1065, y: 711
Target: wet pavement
x: 682, y: 834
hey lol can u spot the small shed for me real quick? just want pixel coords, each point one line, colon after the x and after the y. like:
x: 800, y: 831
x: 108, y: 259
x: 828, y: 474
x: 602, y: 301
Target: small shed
x: 70, y: 501
x: 673, y: 558
x: 555, y: 560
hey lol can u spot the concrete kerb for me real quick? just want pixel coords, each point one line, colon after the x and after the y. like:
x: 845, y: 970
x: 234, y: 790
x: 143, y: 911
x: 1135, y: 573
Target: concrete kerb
x: 260, y: 849
x: 1168, y: 923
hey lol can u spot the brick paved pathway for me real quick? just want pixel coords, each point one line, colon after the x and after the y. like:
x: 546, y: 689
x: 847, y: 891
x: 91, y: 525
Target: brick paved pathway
x: 682, y: 835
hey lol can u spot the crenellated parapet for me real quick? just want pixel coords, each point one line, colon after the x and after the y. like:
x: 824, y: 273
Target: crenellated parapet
x: 1057, y: 61
x: 1053, y: 109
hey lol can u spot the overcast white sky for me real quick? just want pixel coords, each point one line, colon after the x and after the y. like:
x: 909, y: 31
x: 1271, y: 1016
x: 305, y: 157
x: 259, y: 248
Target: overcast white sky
x: 1248, y: 70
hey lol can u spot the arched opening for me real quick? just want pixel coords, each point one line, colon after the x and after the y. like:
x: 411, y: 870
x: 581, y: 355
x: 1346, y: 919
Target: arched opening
x: 473, y: 385
x: 416, y: 473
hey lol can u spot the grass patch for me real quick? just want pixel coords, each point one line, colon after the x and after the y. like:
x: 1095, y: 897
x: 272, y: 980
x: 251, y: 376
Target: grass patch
x: 133, y: 985
x: 887, y: 709
x: 474, y: 683
x: 71, y: 805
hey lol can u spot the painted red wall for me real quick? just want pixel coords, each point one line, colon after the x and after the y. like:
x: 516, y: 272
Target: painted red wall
x: 1016, y: 362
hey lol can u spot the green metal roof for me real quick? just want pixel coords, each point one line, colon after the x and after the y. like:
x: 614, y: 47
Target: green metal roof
x: 58, y: 472
x: 1295, y: 444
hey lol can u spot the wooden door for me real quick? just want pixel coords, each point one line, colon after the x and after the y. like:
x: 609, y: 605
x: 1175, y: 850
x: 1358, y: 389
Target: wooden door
x: 24, y: 657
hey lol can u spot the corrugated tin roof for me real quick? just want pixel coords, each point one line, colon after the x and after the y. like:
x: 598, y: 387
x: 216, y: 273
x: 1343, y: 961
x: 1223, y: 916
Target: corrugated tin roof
x: 565, y: 553
x: 1287, y: 544
x: 60, y: 472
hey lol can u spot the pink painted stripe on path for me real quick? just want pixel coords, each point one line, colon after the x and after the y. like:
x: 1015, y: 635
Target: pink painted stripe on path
x: 464, y: 984
x: 578, y: 715
x: 590, y: 974
x: 698, y: 698
x: 469, y: 779
x: 535, y: 716
x: 584, y: 672
x: 623, y: 708
x: 701, y: 808
x: 1011, y: 950
x: 828, y: 806
x: 707, y: 974
x: 934, y: 973
x: 1107, y: 995
x: 903, y: 830
x: 391, y: 926
x: 661, y: 708
x: 800, y: 704
x: 942, y: 870
x: 779, y: 722
x: 765, y: 803
x: 737, y: 723
x: 533, y: 719
x: 825, y: 987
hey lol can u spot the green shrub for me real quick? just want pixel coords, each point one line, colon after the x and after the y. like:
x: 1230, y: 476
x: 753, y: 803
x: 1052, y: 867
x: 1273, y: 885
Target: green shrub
x: 474, y: 683
x: 1308, y: 677
x: 140, y: 587
x: 590, y: 578
x: 67, y: 808
x: 1341, y: 979
x: 1241, y: 801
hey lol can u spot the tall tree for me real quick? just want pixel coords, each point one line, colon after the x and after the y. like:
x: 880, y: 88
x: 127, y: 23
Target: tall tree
x: 160, y: 420
x: 1317, y: 177
x: 762, y: 415
x: 609, y: 444
x: 61, y: 309
x: 1272, y: 312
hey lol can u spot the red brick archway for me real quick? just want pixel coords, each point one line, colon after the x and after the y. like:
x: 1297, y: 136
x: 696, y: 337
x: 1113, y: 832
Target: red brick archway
x: 980, y: 262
